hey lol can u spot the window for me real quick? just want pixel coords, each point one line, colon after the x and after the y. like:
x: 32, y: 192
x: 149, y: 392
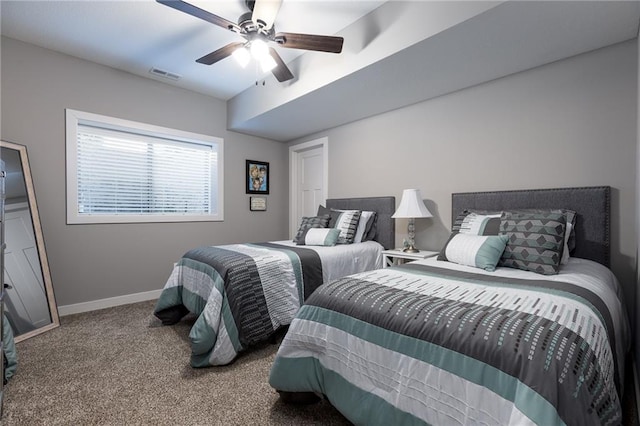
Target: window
x: 122, y: 171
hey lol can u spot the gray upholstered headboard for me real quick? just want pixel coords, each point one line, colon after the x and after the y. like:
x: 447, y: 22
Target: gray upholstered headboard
x: 592, y: 205
x: 384, y: 208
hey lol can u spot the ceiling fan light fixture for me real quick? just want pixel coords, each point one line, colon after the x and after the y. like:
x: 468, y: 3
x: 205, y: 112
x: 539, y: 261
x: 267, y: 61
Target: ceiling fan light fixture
x: 268, y: 63
x: 259, y: 49
x: 257, y: 28
x: 242, y: 56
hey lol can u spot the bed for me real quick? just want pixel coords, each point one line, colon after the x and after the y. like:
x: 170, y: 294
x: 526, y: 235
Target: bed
x: 448, y: 342
x: 242, y: 294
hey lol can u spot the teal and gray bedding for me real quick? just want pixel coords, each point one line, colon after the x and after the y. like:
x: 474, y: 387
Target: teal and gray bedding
x: 243, y: 293
x: 438, y: 343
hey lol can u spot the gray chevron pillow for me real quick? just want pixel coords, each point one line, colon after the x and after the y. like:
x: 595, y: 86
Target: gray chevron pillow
x: 536, y: 241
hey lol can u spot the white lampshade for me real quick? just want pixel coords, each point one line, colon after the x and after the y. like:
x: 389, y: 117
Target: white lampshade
x: 411, y: 205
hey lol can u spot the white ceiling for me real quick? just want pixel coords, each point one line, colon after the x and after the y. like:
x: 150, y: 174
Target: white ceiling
x: 396, y: 53
x: 137, y: 35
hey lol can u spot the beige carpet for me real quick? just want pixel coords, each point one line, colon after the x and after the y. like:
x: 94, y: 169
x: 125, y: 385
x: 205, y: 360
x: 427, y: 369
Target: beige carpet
x: 120, y: 366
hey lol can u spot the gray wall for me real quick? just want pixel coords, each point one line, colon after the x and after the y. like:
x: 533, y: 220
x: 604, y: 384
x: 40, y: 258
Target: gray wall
x: 569, y: 123
x: 92, y: 262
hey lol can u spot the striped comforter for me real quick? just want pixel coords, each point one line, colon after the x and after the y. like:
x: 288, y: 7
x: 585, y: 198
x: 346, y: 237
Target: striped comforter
x: 422, y: 343
x: 241, y: 293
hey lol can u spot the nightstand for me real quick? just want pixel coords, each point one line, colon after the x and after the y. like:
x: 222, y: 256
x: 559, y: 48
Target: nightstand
x: 398, y: 257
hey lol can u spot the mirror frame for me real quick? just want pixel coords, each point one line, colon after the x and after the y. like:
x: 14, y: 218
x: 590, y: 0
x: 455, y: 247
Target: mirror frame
x: 37, y: 232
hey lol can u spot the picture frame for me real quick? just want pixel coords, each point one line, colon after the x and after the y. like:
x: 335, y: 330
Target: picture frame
x: 257, y: 177
x: 258, y: 204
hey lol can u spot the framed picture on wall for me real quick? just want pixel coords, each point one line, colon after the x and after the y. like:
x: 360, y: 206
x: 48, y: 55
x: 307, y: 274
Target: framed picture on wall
x: 257, y: 177
x: 257, y: 204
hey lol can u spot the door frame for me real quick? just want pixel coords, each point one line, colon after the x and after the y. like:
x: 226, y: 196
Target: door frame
x: 295, y: 151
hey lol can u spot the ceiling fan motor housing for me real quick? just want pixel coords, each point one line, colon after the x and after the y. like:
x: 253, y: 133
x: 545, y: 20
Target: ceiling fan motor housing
x: 248, y: 27
x: 246, y: 23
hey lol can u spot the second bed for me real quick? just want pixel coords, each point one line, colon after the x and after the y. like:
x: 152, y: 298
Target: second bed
x: 242, y: 294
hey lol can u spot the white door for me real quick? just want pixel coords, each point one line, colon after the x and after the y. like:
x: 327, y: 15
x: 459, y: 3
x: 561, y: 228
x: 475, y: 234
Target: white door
x: 27, y: 299
x: 308, y: 180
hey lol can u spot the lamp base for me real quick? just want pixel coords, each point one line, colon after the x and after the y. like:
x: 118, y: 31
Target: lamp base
x: 411, y: 249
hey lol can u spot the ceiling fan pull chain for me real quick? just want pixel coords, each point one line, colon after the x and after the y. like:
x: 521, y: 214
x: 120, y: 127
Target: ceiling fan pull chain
x: 258, y: 74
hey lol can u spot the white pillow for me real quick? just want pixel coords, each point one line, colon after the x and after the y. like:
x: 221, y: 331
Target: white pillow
x: 565, y: 250
x: 362, y: 225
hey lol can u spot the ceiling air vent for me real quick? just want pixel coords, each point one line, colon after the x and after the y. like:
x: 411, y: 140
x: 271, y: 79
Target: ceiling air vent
x: 164, y: 74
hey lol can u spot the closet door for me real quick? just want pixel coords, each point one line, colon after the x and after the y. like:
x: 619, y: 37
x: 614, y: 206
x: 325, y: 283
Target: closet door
x: 308, y: 180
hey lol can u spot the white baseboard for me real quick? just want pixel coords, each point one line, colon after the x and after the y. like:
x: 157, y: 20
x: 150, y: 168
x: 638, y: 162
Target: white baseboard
x: 109, y: 302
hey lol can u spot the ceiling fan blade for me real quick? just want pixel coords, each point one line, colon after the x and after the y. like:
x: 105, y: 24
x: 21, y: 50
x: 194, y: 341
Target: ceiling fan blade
x: 200, y: 13
x: 310, y: 42
x: 266, y: 11
x: 281, y: 72
x: 219, y: 54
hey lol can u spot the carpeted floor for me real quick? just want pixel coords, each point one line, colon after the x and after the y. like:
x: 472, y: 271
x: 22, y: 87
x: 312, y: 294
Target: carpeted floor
x: 120, y: 366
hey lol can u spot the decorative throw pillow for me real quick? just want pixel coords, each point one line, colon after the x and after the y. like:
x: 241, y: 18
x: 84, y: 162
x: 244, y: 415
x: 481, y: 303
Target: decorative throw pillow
x: 536, y: 241
x: 371, y: 230
x: 572, y: 217
x: 570, y: 231
x: 565, y: 250
x: 480, y: 224
x: 319, y: 237
x: 486, y: 221
x: 364, y: 224
x: 322, y: 210
x: 333, y: 215
x: 473, y: 223
x: 311, y: 222
x: 347, y: 223
x: 475, y: 250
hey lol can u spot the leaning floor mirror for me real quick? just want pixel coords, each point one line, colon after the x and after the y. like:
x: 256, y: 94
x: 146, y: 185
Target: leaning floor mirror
x: 30, y: 304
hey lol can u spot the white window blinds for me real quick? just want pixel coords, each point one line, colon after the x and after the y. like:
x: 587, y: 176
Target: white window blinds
x: 126, y: 174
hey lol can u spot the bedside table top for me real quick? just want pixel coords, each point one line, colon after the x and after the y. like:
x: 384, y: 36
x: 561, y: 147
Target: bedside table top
x: 422, y: 254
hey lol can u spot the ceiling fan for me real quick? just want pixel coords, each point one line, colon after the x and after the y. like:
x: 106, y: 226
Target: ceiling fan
x: 256, y: 26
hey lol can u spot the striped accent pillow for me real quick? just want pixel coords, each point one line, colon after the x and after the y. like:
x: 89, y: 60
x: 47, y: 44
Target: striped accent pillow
x: 347, y: 223
x: 472, y: 223
x: 364, y: 225
x: 311, y: 222
x: 480, y: 224
x: 319, y: 237
x: 479, y: 251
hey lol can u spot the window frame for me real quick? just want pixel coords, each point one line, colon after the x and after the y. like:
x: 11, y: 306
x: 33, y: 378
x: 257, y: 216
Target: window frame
x: 75, y: 118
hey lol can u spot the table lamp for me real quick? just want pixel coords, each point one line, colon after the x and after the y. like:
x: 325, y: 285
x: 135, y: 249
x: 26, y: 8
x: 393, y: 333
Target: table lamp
x: 411, y: 207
